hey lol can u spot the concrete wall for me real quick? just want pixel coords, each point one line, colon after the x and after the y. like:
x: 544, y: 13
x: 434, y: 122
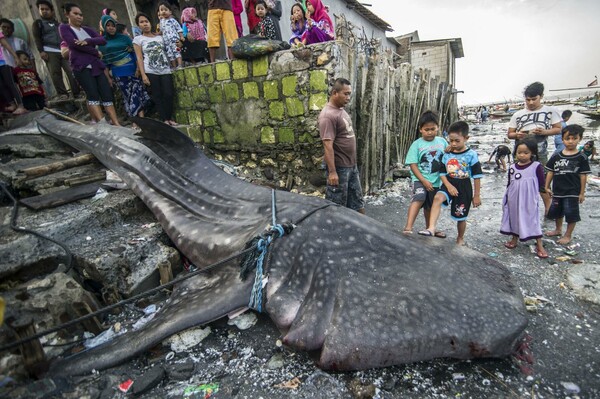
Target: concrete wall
x: 436, y: 57
x: 260, y: 114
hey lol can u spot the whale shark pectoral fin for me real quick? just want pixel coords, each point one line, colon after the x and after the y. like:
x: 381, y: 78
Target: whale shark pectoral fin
x: 309, y: 328
x: 196, y: 301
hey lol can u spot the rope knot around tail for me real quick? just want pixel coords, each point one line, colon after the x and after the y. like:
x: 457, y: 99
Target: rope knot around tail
x: 254, y: 260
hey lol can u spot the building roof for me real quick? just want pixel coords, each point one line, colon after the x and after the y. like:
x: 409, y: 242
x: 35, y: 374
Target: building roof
x: 455, y: 45
x: 369, y: 15
x: 397, y: 40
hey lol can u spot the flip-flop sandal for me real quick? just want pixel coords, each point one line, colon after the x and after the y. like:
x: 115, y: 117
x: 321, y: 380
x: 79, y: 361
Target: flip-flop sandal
x: 426, y: 233
x: 440, y: 234
x: 510, y: 245
x: 407, y: 231
x: 541, y: 254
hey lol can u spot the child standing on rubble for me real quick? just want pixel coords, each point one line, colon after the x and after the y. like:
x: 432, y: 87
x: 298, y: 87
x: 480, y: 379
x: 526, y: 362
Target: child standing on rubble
x: 520, y: 214
x: 423, y: 159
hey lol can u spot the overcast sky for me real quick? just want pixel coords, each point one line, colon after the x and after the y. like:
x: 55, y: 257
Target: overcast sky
x: 507, y: 43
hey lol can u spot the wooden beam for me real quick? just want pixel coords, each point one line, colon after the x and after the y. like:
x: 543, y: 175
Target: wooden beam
x: 59, y: 198
x: 53, y: 167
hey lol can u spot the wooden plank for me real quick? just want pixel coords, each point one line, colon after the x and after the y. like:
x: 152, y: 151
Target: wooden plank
x: 79, y: 180
x: 58, y: 198
x: 53, y: 167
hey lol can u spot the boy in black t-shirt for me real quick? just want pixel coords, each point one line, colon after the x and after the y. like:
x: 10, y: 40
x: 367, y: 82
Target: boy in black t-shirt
x: 568, y: 169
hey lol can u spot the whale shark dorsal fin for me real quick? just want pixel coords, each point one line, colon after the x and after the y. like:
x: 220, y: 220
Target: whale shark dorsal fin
x: 152, y: 129
x: 172, y: 146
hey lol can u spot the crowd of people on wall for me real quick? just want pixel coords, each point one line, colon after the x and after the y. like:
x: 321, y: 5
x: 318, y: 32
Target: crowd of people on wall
x: 97, y: 61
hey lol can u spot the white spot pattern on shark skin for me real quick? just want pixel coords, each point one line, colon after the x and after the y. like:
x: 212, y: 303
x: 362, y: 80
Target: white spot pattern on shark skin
x: 398, y: 275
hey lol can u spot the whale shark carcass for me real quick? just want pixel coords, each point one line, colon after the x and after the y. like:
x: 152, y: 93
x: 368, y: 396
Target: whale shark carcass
x: 342, y: 284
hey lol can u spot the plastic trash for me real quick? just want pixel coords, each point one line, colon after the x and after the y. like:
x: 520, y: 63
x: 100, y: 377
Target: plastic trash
x: 294, y: 383
x: 125, y: 386
x: 204, y: 391
x: 142, y: 321
x: 150, y: 309
x: 570, y: 387
x: 187, y: 339
x: 244, y: 321
x: 100, y: 194
x: 103, y: 337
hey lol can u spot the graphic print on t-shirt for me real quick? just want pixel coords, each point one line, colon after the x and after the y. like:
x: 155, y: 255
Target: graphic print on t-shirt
x: 534, y: 120
x: 457, y: 169
x: 157, y: 60
x: 430, y: 161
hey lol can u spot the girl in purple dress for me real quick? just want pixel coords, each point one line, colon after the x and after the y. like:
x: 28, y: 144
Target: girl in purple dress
x: 297, y: 25
x: 520, y: 216
x: 319, y: 27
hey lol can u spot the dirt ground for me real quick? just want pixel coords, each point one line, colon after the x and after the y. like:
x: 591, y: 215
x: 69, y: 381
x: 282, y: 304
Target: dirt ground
x: 563, y: 331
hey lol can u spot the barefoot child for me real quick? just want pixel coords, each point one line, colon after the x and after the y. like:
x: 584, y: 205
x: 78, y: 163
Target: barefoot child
x: 520, y: 215
x: 567, y: 171
x: 423, y: 158
x: 459, y: 166
x: 172, y: 34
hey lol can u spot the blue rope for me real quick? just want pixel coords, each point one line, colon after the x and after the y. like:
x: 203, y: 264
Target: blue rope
x: 262, y: 246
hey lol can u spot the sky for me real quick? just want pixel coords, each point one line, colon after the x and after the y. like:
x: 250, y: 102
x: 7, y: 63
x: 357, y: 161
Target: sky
x: 507, y: 43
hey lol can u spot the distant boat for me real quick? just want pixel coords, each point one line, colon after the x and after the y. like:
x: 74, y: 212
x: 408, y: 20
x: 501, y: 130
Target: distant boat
x: 501, y: 115
x: 594, y: 114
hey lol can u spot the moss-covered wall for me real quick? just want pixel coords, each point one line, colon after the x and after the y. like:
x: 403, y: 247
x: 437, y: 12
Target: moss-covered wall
x: 261, y: 114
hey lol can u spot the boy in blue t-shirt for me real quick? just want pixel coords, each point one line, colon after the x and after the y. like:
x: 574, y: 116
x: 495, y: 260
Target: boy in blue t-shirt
x: 423, y: 158
x: 459, y: 166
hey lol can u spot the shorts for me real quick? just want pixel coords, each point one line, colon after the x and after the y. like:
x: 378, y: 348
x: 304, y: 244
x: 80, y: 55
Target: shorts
x: 348, y: 192
x: 461, y: 204
x: 221, y: 21
x: 567, y: 207
x: 420, y: 194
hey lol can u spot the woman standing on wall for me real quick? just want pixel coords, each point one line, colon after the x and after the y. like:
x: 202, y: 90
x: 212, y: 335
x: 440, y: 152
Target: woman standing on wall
x: 118, y: 55
x: 86, y: 65
x: 154, y: 68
